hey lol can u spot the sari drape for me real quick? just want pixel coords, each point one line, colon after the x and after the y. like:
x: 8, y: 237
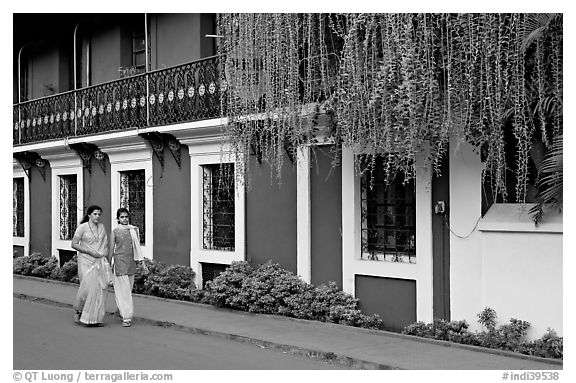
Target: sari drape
x: 91, y: 296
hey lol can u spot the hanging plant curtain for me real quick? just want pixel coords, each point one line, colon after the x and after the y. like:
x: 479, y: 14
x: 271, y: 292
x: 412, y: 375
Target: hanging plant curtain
x: 395, y: 83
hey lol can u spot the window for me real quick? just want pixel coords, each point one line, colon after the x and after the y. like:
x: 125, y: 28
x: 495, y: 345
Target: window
x: 139, y: 48
x: 388, y: 217
x: 18, y: 207
x: 68, y: 206
x: 132, y: 197
x: 218, y: 231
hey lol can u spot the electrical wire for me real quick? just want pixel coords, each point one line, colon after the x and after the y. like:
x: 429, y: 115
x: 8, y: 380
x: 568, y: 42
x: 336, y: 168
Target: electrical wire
x: 445, y: 221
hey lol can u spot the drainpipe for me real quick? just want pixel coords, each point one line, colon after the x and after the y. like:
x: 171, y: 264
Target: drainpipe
x: 75, y: 75
x: 146, y: 69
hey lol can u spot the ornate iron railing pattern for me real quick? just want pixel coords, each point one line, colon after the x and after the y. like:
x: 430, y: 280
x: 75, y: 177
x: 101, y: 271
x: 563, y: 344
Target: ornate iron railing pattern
x: 182, y: 93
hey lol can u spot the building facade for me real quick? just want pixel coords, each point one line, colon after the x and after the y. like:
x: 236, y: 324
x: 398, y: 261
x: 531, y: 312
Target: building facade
x: 124, y: 111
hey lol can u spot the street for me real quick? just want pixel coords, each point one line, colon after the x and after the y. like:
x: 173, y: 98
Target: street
x: 46, y: 338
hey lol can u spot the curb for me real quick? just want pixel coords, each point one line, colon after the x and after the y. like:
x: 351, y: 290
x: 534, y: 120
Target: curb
x: 443, y: 343
x: 322, y: 356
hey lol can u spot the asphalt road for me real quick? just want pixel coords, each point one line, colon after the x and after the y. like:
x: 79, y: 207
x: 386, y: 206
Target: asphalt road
x: 46, y: 338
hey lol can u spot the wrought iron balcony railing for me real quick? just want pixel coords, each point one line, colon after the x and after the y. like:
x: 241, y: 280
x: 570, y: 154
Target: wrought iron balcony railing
x: 181, y: 93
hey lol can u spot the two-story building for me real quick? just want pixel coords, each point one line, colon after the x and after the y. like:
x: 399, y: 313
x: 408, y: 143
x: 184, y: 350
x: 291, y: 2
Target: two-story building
x: 125, y: 111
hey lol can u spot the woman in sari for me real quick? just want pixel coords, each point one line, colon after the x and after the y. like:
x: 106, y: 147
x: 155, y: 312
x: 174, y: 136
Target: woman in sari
x: 91, y: 242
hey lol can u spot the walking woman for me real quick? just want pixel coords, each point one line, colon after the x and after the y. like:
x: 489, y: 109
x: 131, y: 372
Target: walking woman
x: 124, y: 249
x: 91, y: 242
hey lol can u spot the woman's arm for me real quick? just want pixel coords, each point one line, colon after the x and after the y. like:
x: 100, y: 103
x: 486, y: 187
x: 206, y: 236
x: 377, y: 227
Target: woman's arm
x: 76, y: 245
x: 111, y: 244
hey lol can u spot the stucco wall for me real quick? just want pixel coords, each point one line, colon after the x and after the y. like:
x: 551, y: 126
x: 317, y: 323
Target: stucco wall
x: 465, y: 256
x: 502, y: 260
x: 188, y: 30
x: 40, y: 214
x: 271, y: 216
x: 97, y: 192
x: 326, y: 217
x: 522, y: 267
x: 172, y: 209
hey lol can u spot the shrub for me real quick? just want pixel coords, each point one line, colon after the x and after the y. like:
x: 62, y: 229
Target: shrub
x: 32, y: 263
x: 487, y: 318
x: 224, y: 290
x: 174, y: 282
x: 549, y: 346
x: 68, y: 272
x: 273, y: 290
x: 46, y: 269
x: 509, y: 336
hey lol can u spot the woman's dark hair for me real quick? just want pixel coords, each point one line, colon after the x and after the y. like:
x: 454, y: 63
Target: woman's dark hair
x: 120, y: 211
x: 90, y: 211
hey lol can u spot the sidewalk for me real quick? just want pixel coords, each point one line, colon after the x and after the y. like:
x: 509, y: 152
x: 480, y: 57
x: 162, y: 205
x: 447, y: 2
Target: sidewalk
x: 348, y: 346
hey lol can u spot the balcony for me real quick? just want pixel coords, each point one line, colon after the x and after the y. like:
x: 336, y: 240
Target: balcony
x: 182, y: 93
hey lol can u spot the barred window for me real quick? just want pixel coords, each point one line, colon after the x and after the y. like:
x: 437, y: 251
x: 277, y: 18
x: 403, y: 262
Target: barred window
x: 68, y: 206
x: 218, y: 207
x: 132, y: 197
x: 388, y: 217
x: 18, y: 207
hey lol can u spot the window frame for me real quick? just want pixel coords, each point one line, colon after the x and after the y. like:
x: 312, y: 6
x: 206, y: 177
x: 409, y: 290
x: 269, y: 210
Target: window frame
x: 24, y: 241
x: 212, y: 152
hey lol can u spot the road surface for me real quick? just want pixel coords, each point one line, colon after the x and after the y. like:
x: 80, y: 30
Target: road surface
x: 46, y: 338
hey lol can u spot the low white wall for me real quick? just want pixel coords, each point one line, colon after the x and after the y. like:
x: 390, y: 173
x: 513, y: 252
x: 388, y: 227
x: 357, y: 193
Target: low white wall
x: 505, y: 262
x: 522, y: 267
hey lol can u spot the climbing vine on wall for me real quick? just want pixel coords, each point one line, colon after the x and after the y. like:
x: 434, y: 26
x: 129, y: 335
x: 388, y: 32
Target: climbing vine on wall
x: 395, y: 85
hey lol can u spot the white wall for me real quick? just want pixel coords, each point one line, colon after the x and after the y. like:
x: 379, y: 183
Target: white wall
x: 465, y: 210
x: 503, y: 262
x: 522, y: 267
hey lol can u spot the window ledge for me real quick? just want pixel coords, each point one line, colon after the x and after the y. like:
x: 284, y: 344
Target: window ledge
x: 514, y: 217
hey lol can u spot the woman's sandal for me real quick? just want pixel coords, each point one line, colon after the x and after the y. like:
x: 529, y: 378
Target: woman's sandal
x: 127, y: 322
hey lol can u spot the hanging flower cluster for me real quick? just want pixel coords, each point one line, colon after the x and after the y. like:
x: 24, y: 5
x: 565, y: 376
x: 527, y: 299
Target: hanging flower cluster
x: 395, y: 85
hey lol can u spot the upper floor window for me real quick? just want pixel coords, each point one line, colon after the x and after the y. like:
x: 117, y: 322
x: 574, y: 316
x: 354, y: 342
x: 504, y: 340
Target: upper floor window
x: 139, y: 48
x: 132, y: 197
x: 68, y: 206
x: 218, y: 229
x: 18, y: 207
x: 388, y: 217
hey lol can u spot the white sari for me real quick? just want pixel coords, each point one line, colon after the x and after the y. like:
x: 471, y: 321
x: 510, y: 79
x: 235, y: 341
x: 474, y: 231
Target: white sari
x: 91, y: 296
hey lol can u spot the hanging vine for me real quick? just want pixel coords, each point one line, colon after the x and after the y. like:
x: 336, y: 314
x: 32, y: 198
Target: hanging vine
x: 395, y: 85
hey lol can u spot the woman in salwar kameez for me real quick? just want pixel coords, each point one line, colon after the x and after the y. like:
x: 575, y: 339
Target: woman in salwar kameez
x: 91, y: 242
x: 124, y: 250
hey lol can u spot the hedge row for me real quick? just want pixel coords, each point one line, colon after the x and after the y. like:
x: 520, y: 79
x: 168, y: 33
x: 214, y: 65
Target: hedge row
x: 510, y: 336
x: 269, y: 289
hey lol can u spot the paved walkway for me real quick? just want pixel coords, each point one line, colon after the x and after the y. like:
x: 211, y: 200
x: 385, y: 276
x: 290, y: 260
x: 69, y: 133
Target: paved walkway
x: 349, y: 346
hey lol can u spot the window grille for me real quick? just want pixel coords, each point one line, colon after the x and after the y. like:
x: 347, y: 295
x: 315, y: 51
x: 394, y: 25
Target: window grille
x: 68, y: 206
x: 18, y: 207
x: 211, y: 271
x: 218, y: 207
x: 388, y: 217
x: 132, y: 197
